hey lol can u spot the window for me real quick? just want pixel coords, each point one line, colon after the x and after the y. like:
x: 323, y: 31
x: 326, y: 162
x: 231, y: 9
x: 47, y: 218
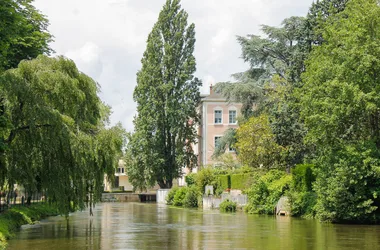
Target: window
x: 217, y: 140
x: 232, y: 116
x: 231, y: 149
x: 218, y: 116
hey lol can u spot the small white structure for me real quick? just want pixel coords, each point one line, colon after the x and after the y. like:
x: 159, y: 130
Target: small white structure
x: 161, y: 195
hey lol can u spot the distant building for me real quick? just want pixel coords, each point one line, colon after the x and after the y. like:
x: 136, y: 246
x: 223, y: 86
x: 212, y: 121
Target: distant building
x: 121, y: 180
x: 217, y: 115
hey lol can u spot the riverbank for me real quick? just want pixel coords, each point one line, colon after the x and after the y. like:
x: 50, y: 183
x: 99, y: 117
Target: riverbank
x: 14, y: 218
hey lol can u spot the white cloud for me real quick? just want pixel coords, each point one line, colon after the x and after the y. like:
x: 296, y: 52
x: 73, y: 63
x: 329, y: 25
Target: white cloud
x: 87, y: 59
x: 107, y: 38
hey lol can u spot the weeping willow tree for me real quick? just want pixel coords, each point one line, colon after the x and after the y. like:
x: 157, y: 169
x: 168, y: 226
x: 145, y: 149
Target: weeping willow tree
x: 56, y: 139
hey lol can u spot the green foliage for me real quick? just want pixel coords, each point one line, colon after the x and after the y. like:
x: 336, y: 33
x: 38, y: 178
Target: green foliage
x: 192, y: 196
x: 206, y: 176
x: 256, y: 143
x: 227, y: 206
x: 224, y: 181
x: 23, y: 32
x: 240, y: 181
x: 267, y: 190
x: 302, y: 203
x: 167, y: 95
x: 171, y: 194
x: 190, y: 179
x: 13, y: 219
x: 277, y: 54
x: 183, y: 196
x: 179, y: 197
x: 58, y: 141
x: 227, y: 140
x: 339, y: 104
x: 303, y: 177
x: 317, y: 17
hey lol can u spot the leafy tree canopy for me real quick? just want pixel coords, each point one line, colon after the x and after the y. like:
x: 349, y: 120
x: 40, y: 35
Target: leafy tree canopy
x: 23, y: 32
x: 340, y: 106
x: 167, y: 95
x: 256, y: 143
x: 57, y: 140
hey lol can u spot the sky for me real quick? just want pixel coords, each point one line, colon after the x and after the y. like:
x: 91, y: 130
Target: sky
x: 107, y: 38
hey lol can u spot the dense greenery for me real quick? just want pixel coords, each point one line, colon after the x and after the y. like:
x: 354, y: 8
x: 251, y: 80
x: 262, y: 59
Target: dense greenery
x: 256, y: 143
x: 266, y: 190
x: 14, y: 218
x: 23, y: 32
x: 184, y: 196
x: 241, y: 181
x: 314, y: 82
x: 224, y: 181
x: 57, y: 140
x: 167, y: 95
x: 24, y: 35
x: 54, y: 133
x: 227, y: 206
x: 340, y: 106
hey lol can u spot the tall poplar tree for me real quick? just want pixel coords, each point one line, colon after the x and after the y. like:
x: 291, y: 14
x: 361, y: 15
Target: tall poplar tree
x: 167, y: 95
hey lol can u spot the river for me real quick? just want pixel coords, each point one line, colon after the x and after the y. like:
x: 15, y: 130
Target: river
x: 155, y: 226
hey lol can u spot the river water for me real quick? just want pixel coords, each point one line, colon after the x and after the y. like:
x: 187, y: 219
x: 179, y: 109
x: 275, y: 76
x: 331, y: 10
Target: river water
x: 155, y: 226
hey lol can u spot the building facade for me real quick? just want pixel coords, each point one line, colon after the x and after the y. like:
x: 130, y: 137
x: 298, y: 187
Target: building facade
x: 121, y: 180
x: 217, y: 115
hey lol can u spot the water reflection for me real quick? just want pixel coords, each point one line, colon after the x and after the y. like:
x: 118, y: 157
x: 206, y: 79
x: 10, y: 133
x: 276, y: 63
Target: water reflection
x: 154, y: 226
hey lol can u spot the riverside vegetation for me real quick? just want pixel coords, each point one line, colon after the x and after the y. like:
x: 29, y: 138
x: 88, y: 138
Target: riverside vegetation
x: 310, y: 120
x: 14, y: 218
x: 263, y: 188
x: 55, y: 136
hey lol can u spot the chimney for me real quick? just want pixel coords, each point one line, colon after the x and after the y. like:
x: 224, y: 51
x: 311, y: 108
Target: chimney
x: 211, y: 90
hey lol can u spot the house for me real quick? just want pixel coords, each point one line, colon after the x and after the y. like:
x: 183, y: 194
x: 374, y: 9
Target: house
x: 217, y: 115
x: 121, y: 179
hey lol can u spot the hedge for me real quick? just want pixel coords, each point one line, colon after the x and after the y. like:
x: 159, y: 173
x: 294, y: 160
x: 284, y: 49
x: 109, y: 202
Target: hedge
x: 240, y: 181
x: 224, y: 181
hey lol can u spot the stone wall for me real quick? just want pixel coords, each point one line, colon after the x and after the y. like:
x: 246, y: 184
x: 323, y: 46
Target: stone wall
x: 121, y: 197
x: 161, y: 195
x: 210, y: 201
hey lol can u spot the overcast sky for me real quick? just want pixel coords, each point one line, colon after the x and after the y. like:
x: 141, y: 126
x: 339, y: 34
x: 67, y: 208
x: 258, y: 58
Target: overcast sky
x: 107, y: 38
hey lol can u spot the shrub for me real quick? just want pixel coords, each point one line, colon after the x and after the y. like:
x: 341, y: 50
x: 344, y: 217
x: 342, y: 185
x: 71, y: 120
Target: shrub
x: 227, y: 206
x: 206, y: 176
x: 191, y: 197
x: 303, y: 203
x: 171, y: 194
x: 267, y: 190
x: 179, y: 196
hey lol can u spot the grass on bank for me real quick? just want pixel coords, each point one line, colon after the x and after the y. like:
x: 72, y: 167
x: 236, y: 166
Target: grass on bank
x: 14, y: 218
